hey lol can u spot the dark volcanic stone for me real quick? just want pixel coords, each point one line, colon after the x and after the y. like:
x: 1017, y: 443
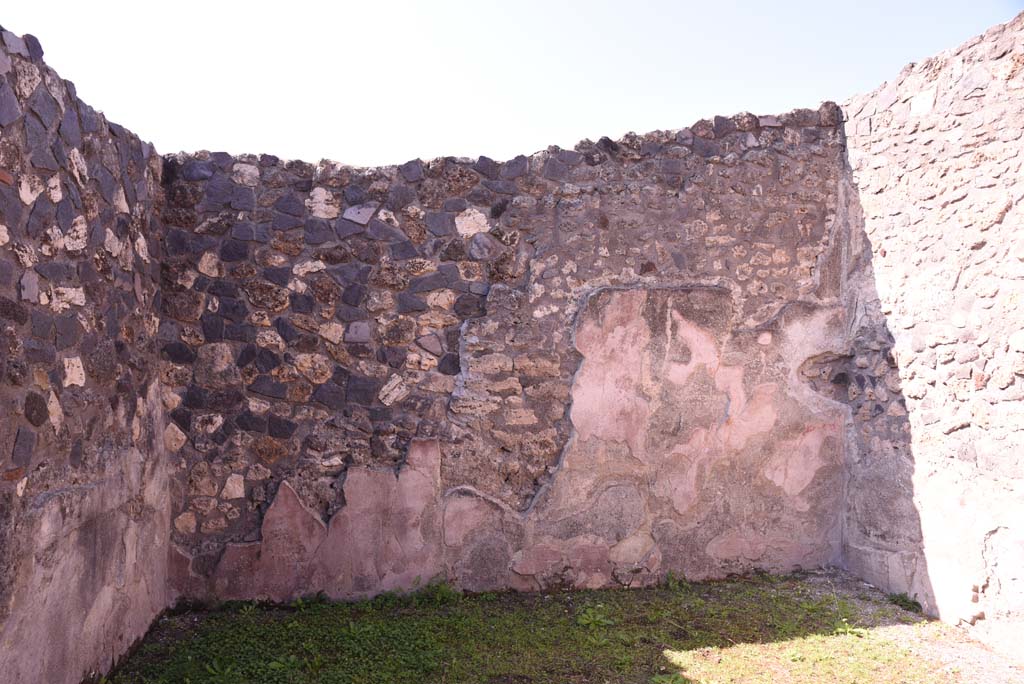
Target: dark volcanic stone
x: 42, y: 324
x: 240, y: 332
x: 353, y: 295
x: 486, y: 166
x: 403, y: 250
x: 285, y: 221
x: 213, y: 327
x: 10, y: 110
x: 178, y: 352
x: 233, y: 309
x: 40, y: 351
x: 399, y: 197
x: 392, y: 356
x: 250, y: 422
x: 330, y: 395
x: 455, y: 250
x: 35, y: 409
x: 408, y: 303
x: 223, y: 288
x: 243, y: 199
x: 514, y: 168
x: 347, y: 313
x: 279, y: 275
x: 385, y: 232
x: 55, y: 271
x: 197, y: 170
x: 340, y: 376
x: 43, y: 104
x: 24, y: 445
x: 449, y: 364
x: 234, y: 250
x: 223, y: 400
x: 455, y: 204
x: 318, y: 231
x: 35, y: 50
x: 362, y: 390
x: 182, y: 417
x: 344, y: 228
x: 246, y: 356
x: 267, y: 360
x: 570, y: 157
x: 285, y: 329
x: 434, y: 281
x: 302, y: 303
x: 194, y: 398
x: 502, y: 187
x: 470, y: 305
x: 281, y: 428
x: 291, y: 205
x: 439, y: 223
x: 268, y: 387
x: 75, y: 457
x: 11, y: 310
x: 555, y: 170
x: 251, y: 232
x: 412, y: 171
x: 42, y: 216
x: 70, y: 131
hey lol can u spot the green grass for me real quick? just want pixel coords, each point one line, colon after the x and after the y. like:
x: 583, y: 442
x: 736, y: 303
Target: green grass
x: 756, y: 629
x: 905, y: 602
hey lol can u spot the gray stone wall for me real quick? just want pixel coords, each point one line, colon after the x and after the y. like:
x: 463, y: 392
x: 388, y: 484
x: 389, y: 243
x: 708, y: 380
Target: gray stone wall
x: 935, y: 157
x: 84, y: 492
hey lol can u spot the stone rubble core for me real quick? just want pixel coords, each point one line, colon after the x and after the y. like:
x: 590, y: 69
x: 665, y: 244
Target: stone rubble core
x: 760, y: 342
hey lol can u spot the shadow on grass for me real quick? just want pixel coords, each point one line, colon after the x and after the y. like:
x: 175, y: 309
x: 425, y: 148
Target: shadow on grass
x: 438, y: 635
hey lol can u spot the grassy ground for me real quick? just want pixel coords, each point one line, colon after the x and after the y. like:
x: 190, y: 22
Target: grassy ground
x: 823, y: 627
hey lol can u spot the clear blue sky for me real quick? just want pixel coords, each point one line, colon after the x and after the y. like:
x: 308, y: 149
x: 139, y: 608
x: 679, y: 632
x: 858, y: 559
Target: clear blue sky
x: 383, y: 81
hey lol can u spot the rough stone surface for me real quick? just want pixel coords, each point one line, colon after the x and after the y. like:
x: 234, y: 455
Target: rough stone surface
x: 85, y: 489
x: 937, y: 468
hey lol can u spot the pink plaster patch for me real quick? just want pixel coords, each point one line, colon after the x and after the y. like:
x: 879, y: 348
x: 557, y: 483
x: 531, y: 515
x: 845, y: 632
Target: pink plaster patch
x: 796, y: 461
x: 388, y: 535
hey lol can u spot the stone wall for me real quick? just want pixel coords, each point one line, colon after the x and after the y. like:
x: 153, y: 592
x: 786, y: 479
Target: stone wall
x: 84, y: 489
x: 592, y: 353
x: 935, y: 509
x: 755, y: 343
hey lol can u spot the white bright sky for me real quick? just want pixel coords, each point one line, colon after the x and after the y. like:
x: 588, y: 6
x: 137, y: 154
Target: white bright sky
x: 383, y: 81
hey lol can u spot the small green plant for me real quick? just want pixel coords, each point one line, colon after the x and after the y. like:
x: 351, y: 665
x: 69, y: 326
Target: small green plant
x: 673, y: 678
x: 288, y: 662
x: 220, y: 672
x: 594, y: 616
x: 679, y: 584
x: 905, y: 602
x: 843, y: 627
x: 313, y: 664
x: 437, y: 594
